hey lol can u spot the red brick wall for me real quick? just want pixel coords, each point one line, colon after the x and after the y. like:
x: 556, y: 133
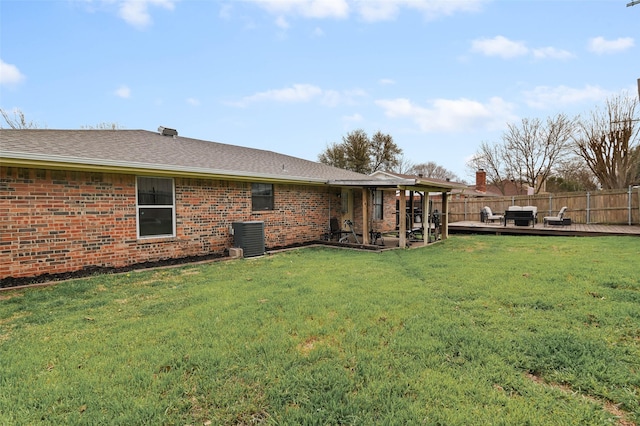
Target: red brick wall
x: 300, y: 214
x: 59, y: 221
x: 388, y: 222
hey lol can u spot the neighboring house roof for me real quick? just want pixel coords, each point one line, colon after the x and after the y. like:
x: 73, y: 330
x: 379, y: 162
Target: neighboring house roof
x: 511, y: 188
x: 139, y: 151
x: 471, y: 191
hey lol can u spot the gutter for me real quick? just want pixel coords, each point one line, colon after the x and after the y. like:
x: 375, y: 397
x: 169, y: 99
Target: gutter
x: 88, y: 164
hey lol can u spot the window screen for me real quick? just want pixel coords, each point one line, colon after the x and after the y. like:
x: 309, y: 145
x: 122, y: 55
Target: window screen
x: 156, y: 208
x: 261, y: 196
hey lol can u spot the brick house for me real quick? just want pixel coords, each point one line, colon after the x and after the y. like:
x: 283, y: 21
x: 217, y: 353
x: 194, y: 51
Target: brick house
x: 78, y: 199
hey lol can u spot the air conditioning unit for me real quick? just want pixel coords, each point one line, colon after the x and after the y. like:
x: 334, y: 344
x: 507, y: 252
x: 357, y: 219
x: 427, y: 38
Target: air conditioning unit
x: 249, y: 236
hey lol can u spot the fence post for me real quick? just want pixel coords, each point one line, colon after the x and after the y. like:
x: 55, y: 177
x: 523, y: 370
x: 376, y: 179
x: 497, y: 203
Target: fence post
x: 588, y: 199
x: 465, y: 209
x: 550, y: 204
x: 630, y: 193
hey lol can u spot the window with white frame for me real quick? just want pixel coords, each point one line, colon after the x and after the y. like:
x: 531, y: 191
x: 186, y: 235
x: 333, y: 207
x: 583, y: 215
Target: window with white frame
x: 378, y: 205
x: 155, y: 205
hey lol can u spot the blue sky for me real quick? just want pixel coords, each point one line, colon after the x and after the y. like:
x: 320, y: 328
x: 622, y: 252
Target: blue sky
x: 293, y: 76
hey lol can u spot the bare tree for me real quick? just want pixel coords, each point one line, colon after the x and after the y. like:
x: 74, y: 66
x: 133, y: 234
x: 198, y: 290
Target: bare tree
x: 18, y: 121
x: 490, y: 158
x: 608, y: 142
x: 360, y: 154
x: 572, y: 175
x: 103, y: 126
x: 432, y: 170
x: 534, y: 147
x: 404, y: 165
x: 528, y: 153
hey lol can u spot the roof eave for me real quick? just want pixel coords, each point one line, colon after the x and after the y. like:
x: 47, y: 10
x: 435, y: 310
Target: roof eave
x: 397, y: 183
x: 373, y: 183
x: 87, y: 164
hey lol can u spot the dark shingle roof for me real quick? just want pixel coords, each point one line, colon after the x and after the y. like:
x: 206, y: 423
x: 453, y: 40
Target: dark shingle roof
x: 141, y: 149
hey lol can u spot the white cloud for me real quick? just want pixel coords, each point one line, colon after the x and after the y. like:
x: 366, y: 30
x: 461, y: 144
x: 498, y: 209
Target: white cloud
x: 385, y: 10
x: 354, y: 118
x: 601, y: 46
x: 225, y: 12
x: 10, y: 75
x: 499, y: 46
x: 334, y: 98
x: 505, y: 48
x: 299, y: 93
x: 386, y: 82
x: 551, y: 53
x: 367, y: 10
x: 136, y: 12
x: 374, y: 11
x: 318, y: 32
x: 123, y: 92
x: 544, y: 97
x: 281, y: 22
x: 294, y: 94
x: 306, y: 8
x: 451, y: 115
x: 193, y: 101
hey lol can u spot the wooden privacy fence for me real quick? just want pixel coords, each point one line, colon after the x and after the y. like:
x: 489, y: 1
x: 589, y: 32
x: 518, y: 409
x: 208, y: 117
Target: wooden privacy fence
x: 621, y: 206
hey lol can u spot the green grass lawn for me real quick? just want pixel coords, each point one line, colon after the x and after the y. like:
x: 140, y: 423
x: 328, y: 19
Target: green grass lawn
x: 475, y: 330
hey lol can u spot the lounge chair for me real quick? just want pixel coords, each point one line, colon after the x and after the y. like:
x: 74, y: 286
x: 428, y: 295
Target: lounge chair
x: 489, y: 216
x: 557, y: 220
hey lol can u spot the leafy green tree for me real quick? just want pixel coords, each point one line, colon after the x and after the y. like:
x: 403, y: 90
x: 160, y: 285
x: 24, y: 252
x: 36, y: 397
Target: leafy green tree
x: 384, y: 152
x: 359, y: 153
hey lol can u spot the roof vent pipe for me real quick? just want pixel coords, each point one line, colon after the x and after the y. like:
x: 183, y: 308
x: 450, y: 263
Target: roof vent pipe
x: 165, y: 131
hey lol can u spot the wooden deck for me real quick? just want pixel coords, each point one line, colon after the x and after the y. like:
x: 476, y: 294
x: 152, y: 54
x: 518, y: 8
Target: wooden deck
x: 575, y: 229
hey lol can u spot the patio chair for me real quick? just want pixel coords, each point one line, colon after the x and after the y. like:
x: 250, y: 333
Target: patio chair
x: 557, y: 220
x: 489, y: 216
x: 335, y: 231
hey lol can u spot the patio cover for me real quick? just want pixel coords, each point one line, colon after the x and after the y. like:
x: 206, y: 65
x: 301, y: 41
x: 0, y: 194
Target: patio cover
x: 402, y: 184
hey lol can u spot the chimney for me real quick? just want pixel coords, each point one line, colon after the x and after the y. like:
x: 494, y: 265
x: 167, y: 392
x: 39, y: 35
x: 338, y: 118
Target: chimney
x: 481, y: 181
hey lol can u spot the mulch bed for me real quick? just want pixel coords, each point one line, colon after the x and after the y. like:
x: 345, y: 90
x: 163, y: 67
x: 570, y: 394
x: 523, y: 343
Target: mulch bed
x: 98, y: 270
